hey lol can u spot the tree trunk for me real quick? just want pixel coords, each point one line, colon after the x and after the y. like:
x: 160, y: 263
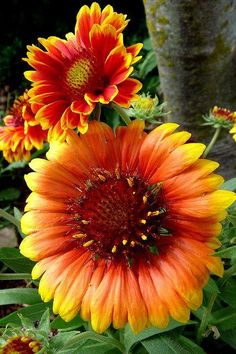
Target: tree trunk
x: 195, y: 44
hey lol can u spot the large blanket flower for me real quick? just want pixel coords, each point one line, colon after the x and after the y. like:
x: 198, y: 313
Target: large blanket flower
x: 21, y: 133
x: 123, y: 226
x: 90, y: 67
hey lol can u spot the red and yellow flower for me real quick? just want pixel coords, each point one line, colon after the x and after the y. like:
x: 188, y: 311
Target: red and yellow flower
x: 21, y: 133
x: 125, y: 225
x: 72, y: 76
x: 20, y: 345
x: 224, y: 114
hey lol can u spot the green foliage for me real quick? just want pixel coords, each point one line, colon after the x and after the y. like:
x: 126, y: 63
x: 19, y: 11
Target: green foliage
x: 9, y: 194
x: 19, y: 296
x: 13, y: 259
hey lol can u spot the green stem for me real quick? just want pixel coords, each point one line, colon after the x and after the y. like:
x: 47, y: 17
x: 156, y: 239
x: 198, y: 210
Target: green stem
x: 97, y: 112
x: 10, y: 218
x: 122, y: 112
x: 212, y: 142
x: 205, y: 317
x: 94, y: 336
x: 15, y: 276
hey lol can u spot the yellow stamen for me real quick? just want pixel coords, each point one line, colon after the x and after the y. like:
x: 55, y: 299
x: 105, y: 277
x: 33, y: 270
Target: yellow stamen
x: 113, y: 249
x: 153, y: 213
x: 88, y: 243
x: 85, y: 222
x: 35, y: 349
x: 102, y: 178
x: 144, y: 199
x: 33, y: 344
x: 130, y: 181
x: 143, y: 237
x: 117, y: 173
x: 132, y: 243
x: 124, y: 242
x: 143, y: 221
x: 79, y: 235
x: 24, y: 339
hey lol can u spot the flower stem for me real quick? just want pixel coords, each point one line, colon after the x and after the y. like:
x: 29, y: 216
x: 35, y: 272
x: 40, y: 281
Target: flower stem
x: 94, y: 336
x: 212, y: 142
x: 204, y: 321
x: 10, y: 218
x: 97, y: 112
x: 122, y: 112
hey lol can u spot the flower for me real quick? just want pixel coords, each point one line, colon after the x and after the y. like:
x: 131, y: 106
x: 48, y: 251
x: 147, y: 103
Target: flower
x: 91, y: 66
x: 233, y: 131
x: 20, y: 344
x: 224, y: 114
x: 220, y: 117
x: 21, y: 132
x: 125, y: 225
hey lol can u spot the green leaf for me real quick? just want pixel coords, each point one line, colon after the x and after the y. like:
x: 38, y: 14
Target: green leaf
x: 229, y: 252
x: 171, y: 344
x: 57, y: 342
x: 165, y: 345
x: 19, y: 296
x: 17, y: 213
x: 59, y: 323
x: 15, y: 276
x: 34, y: 312
x: 14, y: 165
x: 189, y: 345
x: 148, y: 64
x: 228, y: 293
x: 90, y: 336
x: 211, y: 287
x: 224, y: 318
x: 26, y: 322
x: 9, y: 194
x: 98, y: 348
x: 229, y: 337
x: 147, y: 44
x: 44, y: 324
x: 12, y: 258
x: 229, y: 185
x: 130, y: 338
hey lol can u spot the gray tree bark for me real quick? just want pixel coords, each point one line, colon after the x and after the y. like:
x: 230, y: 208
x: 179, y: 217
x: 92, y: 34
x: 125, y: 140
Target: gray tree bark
x: 195, y: 45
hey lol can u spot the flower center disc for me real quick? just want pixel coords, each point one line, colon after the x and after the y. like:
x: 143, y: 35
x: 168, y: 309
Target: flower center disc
x: 80, y: 77
x: 117, y: 216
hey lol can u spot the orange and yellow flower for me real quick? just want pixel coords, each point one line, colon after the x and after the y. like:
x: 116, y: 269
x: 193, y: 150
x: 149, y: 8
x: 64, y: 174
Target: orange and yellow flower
x: 21, y: 133
x: 72, y: 76
x: 125, y: 225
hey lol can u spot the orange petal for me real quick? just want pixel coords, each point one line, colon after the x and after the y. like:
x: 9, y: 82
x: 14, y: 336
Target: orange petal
x: 130, y: 139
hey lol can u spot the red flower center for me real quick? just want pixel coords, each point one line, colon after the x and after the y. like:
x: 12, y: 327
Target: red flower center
x: 117, y: 216
x: 82, y: 75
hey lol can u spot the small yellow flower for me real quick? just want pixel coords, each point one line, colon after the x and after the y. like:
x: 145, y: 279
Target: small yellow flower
x: 233, y: 131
